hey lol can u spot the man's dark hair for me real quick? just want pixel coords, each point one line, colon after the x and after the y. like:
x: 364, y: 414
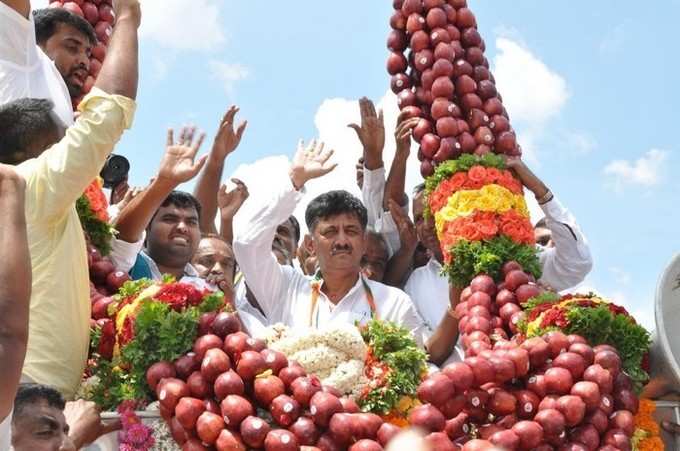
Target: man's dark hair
x: 418, y: 189
x: 33, y: 393
x: 182, y: 199
x: 296, y: 227
x: 335, y: 203
x: 47, y: 19
x: 21, y: 122
x: 541, y: 224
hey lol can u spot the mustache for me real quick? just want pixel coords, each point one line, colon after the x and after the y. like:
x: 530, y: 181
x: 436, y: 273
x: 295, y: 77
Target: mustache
x: 339, y: 248
x: 80, y: 66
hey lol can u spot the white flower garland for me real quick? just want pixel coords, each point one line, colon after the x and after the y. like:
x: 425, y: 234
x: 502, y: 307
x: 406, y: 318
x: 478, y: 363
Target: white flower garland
x: 335, y: 355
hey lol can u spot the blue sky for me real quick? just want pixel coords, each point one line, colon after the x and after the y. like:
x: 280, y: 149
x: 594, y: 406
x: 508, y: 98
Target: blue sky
x: 590, y: 86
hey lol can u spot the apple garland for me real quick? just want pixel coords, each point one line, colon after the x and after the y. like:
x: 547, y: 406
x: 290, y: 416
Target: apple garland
x: 549, y: 391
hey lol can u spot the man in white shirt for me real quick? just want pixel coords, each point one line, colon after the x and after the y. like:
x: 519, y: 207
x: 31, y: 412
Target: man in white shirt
x: 26, y: 70
x: 337, y: 223
x: 15, y: 293
x: 564, y: 265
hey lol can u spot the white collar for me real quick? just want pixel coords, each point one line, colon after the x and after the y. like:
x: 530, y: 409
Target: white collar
x: 189, y: 270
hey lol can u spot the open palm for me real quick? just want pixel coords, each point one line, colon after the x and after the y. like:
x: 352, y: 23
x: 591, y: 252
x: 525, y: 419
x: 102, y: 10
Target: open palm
x: 179, y: 163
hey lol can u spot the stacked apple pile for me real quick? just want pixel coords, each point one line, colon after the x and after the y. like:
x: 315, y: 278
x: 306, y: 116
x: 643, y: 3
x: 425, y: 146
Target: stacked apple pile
x: 232, y: 393
x: 553, y: 392
x: 99, y: 13
x: 105, y: 281
x: 445, y: 80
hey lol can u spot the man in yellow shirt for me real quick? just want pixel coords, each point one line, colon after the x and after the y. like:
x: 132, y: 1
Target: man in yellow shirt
x: 57, y: 168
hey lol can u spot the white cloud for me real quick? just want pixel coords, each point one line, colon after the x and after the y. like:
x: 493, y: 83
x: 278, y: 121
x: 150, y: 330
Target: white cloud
x: 227, y: 74
x: 531, y: 91
x: 645, y: 171
x: 182, y: 24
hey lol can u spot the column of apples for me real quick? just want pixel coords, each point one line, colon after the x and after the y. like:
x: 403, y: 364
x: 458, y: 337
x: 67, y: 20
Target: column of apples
x: 543, y: 393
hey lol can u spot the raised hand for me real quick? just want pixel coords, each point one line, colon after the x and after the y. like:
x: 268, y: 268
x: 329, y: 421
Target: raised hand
x: 310, y: 162
x: 402, y: 135
x: 178, y: 165
x: 85, y: 422
x: 526, y: 176
x: 127, y: 9
x: 228, y: 138
x: 229, y: 202
x: 371, y: 133
x: 405, y: 227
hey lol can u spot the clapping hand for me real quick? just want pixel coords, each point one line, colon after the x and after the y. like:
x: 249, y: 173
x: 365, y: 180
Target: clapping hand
x: 229, y: 202
x: 310, y: 162
x: 405, y: 227
x: 228, y: 138
x: 371, y: 133
x: 178, y: 165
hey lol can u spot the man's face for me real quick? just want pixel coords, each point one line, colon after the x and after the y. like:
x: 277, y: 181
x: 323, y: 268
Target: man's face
x: 375, y: 259
x: 40, y: 427
x: 543, y: 237
x: 285, y: 244
x: 173, y: 236
x: 214, y: 260
x: 425, y: 228
x: 339, y: 243
x: 70, y: 50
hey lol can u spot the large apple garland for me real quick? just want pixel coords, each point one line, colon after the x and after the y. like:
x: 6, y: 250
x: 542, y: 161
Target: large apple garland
x: 554, y: 391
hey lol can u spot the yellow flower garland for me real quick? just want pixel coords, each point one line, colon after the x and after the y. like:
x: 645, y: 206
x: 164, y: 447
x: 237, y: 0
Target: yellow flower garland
x: 492, y: 198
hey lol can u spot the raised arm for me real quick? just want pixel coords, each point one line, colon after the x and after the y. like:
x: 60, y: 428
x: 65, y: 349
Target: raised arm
x: 177, y: 166
x: 66, y: 168
x: 255, y: 229
x: 567, y: 263
x: 120, y: 72
x: 15, y: 285
x: 23, y: 7
x: 226, y: 141
x: 396, y: 179
x: 371, y: 134
x: 229, y: 203
x: 400, y: 264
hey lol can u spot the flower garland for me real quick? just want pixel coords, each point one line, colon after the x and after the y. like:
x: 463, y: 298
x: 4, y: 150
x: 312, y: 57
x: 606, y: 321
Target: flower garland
x: 134, y: 435
x: 481, y: 218
x: 335, y: 355
x: 597, y: 320
x: 148, y: 322
x: 395, y: 366
x: 646, y: 436
x: 94, y: 218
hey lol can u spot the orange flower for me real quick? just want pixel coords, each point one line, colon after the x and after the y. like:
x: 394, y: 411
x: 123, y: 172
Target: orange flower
x: 474, y: 184
x: 492, y: 174
x: 488, y: 228
x: 477, y: 173
x: 457, y: 181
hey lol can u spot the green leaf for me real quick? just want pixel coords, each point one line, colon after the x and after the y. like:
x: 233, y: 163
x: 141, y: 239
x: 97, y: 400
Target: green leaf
x: 471, y: 258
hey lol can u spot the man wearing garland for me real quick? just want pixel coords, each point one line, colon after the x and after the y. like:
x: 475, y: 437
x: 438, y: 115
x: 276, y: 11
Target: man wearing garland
x: 339, y: 292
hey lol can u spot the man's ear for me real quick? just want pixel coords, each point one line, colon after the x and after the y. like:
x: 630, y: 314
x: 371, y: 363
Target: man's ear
x: 308, y: 244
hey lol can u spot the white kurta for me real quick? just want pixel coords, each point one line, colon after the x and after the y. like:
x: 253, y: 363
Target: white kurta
x: 25, y: 70
x: 285, y: 294
x: 564, y: 266
x: 6, y: 433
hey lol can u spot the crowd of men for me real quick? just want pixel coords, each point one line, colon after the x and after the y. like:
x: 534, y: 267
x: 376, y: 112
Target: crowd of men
x: 361, y: 258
